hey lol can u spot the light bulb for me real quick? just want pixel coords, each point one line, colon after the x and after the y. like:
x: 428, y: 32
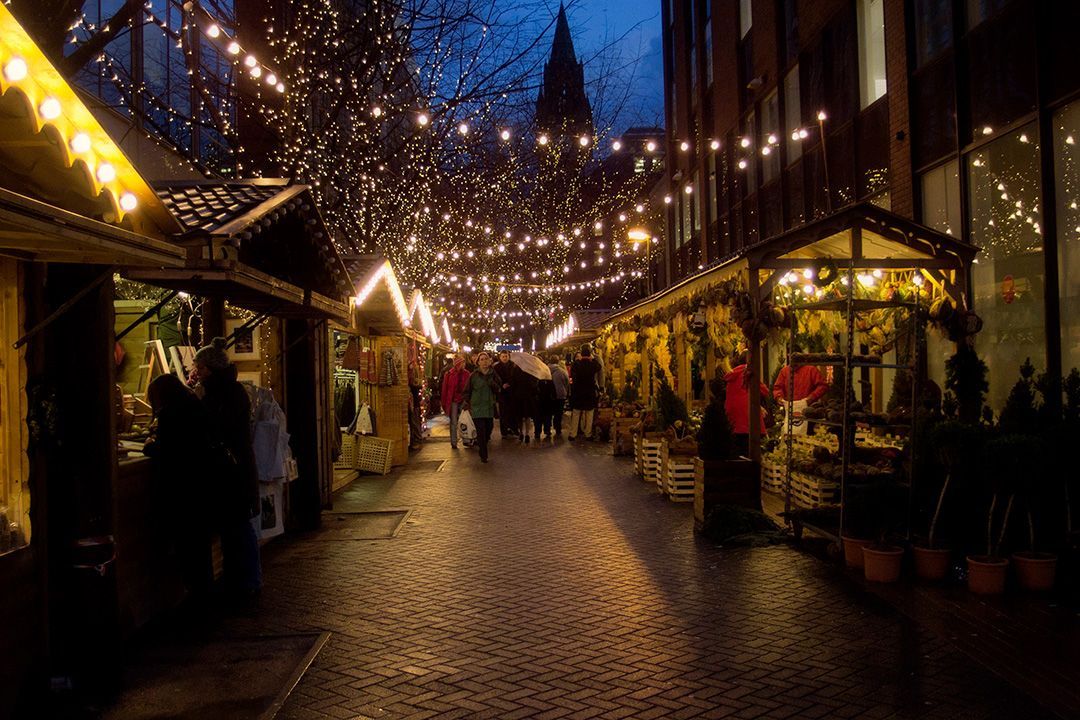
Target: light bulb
x: 250, y: 61
x: 50, y: 108
x: 271, y: 79
x: 128, y: 202
x: 376, y: 111
x: 15, y: 69
x: 233, y: 48
x: 742, y: 164
x: 505, y: 134
x: 213, y: 31
x: 280, y: 87
x: 106, y: 172
x: 650, y: 146
x: 821, y: 116
x: 583, y: 141
x: 684, y: 146
x: 256, y: 72
x: 744, y: 142
x: 616, y: 145
x: 667, y: 199
x: 688, y: 189
x: 422, y: 120
x: 543, y: 139
x: 714, y: 144
x: 80, y: 143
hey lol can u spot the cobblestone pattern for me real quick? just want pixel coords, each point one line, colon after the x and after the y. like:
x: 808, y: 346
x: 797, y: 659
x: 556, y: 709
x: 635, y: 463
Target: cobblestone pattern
x: 553, y: 584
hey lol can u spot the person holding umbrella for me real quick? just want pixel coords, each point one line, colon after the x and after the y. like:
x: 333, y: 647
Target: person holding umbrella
x: 561, y: 382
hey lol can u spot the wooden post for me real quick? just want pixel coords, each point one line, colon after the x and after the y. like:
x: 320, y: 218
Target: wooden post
x: 754, y: 368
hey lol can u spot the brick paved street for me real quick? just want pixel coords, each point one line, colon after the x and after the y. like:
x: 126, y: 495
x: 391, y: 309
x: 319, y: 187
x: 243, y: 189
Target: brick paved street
x: 551, y: 583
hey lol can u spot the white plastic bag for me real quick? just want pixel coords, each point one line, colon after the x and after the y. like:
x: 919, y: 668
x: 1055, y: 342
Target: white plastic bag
x: 466, y: 428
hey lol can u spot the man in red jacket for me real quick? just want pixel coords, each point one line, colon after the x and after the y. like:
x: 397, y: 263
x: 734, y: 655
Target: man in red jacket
x: 809, y: 384
x: 737, y: 404
x: 452, y: 396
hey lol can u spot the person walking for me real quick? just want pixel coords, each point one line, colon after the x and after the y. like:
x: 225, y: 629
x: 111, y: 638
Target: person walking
x: 561, y: 384
x: 454, y: 385
x: 525, y: 392
x: 232, y: 468
x: 504, y: 369
x: 583, y: 394
x: 482, y: 391
x: 545, y: 401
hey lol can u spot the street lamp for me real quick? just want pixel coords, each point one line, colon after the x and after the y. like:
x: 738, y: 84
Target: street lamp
x: 636, y: 235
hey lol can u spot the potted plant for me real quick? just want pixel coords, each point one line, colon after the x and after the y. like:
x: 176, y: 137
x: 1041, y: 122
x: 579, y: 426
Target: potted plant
x: 721, y: 477
x: 884, y: 502
x: 1005, y: 458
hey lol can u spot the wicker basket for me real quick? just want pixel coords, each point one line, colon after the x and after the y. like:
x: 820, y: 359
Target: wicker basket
x: 347, y: 459
x: 373, y: 454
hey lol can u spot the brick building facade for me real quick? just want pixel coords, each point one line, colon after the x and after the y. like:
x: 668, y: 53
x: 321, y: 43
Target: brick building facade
x: 959, y: 114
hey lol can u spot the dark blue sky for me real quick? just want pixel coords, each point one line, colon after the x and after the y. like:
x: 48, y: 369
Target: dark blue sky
x: 595, y: 24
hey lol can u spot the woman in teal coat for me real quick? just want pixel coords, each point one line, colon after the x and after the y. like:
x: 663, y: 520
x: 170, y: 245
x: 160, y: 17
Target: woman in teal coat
x: 481, y: 394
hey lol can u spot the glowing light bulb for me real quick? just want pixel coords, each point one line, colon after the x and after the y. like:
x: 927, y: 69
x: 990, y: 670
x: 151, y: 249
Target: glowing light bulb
x: 422, y: 119
x: 714, y: 144
x: 463, y: 128
x: 650, y: 146
x: 213, y: 31
x: 689, y: 189
x: 15, y: 69
x: 744, y: 142
x: 271, y: 79
x: 616, y: 145
x: 80, y: 143
x: 50, y: 108
x: 255, y: 72
x: 773, y: 140
x: 684, y: 146
x: 821, y: 116
x: 505, y: 134
x: 376, y: 111
x: 280, y: 87
x: 583, y: 141
x: 543, y: 139
x: 766, y: 150
x: 128, y: 202
x: 250, y: 61
x: 918, y: 280
x: 639, y: 208
x: 598, y: 225
x: 106, y: 172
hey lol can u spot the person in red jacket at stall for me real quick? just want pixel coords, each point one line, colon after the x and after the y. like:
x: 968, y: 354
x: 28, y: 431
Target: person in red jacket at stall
x: 737, y: 404
x: 809, y: 384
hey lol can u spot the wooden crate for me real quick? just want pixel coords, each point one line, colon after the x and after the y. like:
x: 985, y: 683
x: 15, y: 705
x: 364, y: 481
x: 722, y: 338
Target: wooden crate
x: 347, y: 459
x: 810, y: 491
x: 374, y: 454
x: 667, y: 455
x: 650, y: 462
x: 773, y: 475
x: 639, y: 439
x: 679, y: 479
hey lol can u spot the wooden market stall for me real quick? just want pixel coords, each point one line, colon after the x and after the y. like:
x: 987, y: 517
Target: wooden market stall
x: 73, y: 209
x: 858, y: 261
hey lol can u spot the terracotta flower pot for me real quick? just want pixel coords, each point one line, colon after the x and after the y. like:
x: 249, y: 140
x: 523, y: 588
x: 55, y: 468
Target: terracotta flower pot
x: 931, y: 564
x: 853, y: 551
x: 986, y: 575
x: 881, y: 563
x: 1035, y: 570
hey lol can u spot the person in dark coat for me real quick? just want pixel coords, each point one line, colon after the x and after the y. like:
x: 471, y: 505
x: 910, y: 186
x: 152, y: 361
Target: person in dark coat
x: 504, y: 370
x: 233, y: 465
x: 179, y: 444
x: 545, y: 406
x: 583, y: 393
x: 524, y: 391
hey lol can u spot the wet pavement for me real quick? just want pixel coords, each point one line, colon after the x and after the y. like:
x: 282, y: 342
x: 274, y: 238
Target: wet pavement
x: 551, y: 583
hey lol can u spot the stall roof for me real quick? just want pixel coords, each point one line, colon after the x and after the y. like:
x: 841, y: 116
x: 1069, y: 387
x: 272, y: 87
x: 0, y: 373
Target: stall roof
x: 380, y: 305
x: 865, y: 233
x: 260, y: 243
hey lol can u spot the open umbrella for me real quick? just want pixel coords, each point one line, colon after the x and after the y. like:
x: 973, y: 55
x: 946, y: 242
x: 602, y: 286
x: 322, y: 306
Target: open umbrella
x: 532, y: 365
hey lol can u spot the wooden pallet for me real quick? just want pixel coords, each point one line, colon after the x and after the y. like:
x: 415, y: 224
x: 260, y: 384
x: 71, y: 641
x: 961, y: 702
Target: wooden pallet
x: 650, y: 462
x: 772, y: 475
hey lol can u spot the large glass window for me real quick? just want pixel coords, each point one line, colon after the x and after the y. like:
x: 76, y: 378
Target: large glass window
x: 1066, y: 153
x: 770, y: 138
x: 792, y: 115
x: 1004, y: 193
x: 707, y: 48
x: 941, y: 198
x: 746, y: 17
x: 933, y: 29
x: 871, y: 19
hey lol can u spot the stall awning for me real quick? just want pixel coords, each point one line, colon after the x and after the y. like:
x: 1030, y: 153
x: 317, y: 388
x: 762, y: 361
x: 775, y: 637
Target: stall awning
x: 33, y: 230
x: 55, y: 152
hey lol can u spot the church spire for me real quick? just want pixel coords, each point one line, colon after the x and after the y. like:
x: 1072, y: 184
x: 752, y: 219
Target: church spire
x: 562, y: 106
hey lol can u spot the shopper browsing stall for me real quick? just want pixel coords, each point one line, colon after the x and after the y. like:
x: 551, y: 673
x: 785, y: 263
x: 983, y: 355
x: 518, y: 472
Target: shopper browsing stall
x: 232, y: 465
